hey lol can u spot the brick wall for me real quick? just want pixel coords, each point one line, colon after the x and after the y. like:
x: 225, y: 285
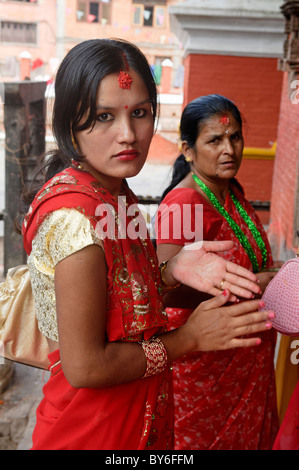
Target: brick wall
x: 254, y: 84
x: 285, y: 177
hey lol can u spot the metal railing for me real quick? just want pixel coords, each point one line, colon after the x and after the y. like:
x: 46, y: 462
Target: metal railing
x: 257, y: 205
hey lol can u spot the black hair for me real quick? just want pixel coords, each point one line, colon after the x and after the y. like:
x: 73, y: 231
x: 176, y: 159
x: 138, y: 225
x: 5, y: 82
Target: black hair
x: 76, y: 86
x: 194, y: 116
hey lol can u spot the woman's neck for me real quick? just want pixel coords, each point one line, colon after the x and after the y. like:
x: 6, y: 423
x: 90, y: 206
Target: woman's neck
x: 219, y: 187
x: 112, y: 185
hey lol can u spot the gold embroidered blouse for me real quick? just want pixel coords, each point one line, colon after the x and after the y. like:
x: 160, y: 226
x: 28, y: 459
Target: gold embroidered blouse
x: 61, y: 234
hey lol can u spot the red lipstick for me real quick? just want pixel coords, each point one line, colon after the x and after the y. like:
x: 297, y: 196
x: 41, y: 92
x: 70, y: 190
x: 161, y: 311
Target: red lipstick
x: 127, y: 155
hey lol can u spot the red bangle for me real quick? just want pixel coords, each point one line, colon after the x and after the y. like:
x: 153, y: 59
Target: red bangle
x: 156, y: 356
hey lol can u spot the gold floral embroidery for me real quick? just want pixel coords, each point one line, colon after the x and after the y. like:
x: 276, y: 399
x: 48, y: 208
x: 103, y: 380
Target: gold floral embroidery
x: 62, y: 233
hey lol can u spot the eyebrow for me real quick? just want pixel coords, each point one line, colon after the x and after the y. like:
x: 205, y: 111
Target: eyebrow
x: 147, y: 101
x: 216, y: 136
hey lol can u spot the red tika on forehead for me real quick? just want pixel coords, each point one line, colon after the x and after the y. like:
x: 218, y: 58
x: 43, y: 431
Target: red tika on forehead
x: 224, y: 120
x: 125, y: 80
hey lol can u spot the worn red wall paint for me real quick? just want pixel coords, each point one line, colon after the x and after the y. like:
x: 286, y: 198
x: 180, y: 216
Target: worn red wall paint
x: 285, y: 176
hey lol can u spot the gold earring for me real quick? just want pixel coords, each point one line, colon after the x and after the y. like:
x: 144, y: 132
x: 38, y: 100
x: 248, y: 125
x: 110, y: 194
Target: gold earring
x: 77, y: 164
x: 188, y: 159
x: 74, y: 143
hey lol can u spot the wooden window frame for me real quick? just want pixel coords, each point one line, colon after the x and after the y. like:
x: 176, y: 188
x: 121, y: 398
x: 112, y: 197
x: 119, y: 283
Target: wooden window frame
x: 22, y: 41
x: 155, y: 14
x: 87, y: 8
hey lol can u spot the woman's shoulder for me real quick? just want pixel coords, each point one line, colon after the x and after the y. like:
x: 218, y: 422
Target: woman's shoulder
x: 236, y: 186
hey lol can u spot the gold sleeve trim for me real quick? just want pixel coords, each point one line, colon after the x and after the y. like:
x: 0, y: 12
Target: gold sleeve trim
x: 61, y: 234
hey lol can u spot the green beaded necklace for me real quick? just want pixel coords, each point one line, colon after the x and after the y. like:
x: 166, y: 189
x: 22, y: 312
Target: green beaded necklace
x: 234, y: 226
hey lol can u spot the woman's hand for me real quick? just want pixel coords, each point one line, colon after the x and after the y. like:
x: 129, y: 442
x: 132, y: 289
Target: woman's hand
x: 265, y: 277
x: 198, y: 266
x: 213, y: 326
x: 225, y: 327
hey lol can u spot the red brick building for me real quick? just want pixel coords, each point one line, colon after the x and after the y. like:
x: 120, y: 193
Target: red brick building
x: 284, y: 227
x: 253, y: 83
x: 26, y: 28
x: 48, y: 29
x: 36, y: 34
x: 232, y: 47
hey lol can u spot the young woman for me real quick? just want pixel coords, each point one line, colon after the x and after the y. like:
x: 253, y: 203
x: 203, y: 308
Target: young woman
x: 97, y: 286
x: 223, y: 400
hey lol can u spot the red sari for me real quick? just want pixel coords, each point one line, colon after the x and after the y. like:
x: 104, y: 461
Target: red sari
x: 224, y: 400
x: 288, y: 435
x: 135, y: 415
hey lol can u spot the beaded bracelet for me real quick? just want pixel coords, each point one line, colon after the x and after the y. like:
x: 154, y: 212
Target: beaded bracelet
x: 162, y: 268
x: 156, y: 356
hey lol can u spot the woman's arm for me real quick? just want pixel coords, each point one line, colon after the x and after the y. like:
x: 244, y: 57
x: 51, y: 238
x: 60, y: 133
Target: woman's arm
x: 88, y: 360
x: 184, y: 296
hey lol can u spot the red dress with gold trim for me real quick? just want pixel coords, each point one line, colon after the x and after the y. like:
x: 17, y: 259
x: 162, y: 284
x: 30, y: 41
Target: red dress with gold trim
x: 135, y: 415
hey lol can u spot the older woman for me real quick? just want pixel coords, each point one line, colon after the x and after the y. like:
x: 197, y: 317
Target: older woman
x: 223, y: 400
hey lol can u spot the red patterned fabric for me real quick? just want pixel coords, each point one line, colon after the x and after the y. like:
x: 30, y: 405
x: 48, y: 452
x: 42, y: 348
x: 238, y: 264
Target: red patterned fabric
x: 224, y: 400
x: 137, y: 415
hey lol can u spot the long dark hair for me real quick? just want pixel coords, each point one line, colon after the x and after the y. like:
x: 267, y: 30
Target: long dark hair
x: 194, y: 116
x: 76, y: 86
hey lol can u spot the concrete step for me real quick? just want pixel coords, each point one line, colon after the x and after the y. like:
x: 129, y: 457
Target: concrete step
x: 18, y: 404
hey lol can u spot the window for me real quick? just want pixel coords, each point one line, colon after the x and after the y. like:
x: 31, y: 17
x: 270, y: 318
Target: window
x: 98, y: 11
x: 160, y: 16
x: 149, y: 14
x: 13, y: 32
x: 157, y: 69
x: 9, y: 67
